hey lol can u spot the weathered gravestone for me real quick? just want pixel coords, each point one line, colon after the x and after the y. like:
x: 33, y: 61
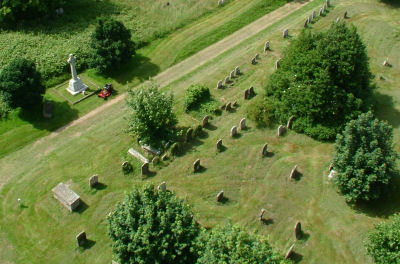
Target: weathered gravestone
x: 306, y: 23
x: 246, y: 94
x: 219, y: 85
x: 227, y: 80
x: 242, y: 124
x: 266, y: 46
x: 232, y: 75
x: 309, y: 19
x: 94, y: 180
x: 386, y: 63
x: 144, y: 169
x: 162, y: 187
x: 251, y: 91
x: 233, y: 131
x: 221, y: 2
x: 289, y: 122
x: 235, y: 104
x: 257, y: 56
x: 68, y: 198
x: 345, y: 15
x: 151, y: 150
x: 155, y: 160
x: 237, y: 71
x: 228, y: 107
x: 81, y: 238
x: 189, y: 134
x: 264, y: 150
x: 220, y: 196
x: 289, y: 252
x: 277, y: 63
x: 204, y: 122
x: 286, y: 33
x: 196, y: 165
x: 321, y: 11
x: 125, y: 165
x: 260, y: 216
x: 314, y: 14
x: 253, y: 61
x: 297, y: 230
x: 293, y: 173
x: 338, y: 20
x: 281, y: 130
x: 219, y: 144
x: 328, y: 3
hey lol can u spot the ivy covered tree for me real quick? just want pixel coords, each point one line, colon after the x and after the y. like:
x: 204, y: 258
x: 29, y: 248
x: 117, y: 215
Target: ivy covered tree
x: 112, y: 45
x: 152, y: 226
x: 323, y: 80
x: 14, y: 10
x: 152, y: 118
x: 364, y: 161
x: 21, y: 84
x: 383, y: 243
x: 232, y: 244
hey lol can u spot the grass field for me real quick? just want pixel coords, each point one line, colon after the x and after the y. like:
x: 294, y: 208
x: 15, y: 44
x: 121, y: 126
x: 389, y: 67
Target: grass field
x: 44, y: 232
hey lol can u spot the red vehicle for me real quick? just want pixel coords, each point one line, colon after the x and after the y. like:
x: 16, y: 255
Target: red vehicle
x: 106, y: 92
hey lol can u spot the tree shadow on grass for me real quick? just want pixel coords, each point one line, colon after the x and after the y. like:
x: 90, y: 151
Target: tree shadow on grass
x: 63, y: 113
x: 385, y: 109
x: 393, y: 3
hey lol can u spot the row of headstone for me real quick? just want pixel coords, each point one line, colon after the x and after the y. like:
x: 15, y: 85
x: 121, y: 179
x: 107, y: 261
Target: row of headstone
x: 249, y: 93
x: 310, y: 18
x: 236, y: 72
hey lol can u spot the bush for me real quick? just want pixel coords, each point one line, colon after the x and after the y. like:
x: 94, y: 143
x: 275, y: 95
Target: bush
x: 112, y: 45
x: 232, y: 244
x: 261, y: 111
x: 21, y: 85
x: 364, y: 160
x: 4, y: 109
x: 383, y: 243
x: 195, y: 95
x: 324, y: 81
x: 152, y: 118
x: 153, y: 227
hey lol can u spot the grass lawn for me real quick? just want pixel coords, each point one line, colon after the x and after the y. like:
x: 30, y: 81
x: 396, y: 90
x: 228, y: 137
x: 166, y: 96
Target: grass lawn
x: 44, y: 232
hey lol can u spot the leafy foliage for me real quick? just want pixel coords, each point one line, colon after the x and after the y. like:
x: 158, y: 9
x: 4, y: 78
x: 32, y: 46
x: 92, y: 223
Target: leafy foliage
x: 153, y: 227
x: 20, y: 84
x: 364, y: 160
x: 232, y: 244
x: 383, y: 243
x: 13, y: 10
x: 112, y: 45
x: 152, y: 118
x: 261, y: 111
x: 324, y: 81
x: 195, y: 95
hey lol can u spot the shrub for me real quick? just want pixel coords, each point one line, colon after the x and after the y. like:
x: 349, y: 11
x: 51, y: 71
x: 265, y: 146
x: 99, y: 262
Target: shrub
x: 112, y: 45
x: 152, y: 226
x: 261, y: 111
x: 21, y: 85
x: 195, y: 95
x: 324, y: 80
x: 383, y: 243
x: 364, y: 160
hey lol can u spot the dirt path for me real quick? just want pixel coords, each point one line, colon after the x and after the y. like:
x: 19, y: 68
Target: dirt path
x: 186, y: 66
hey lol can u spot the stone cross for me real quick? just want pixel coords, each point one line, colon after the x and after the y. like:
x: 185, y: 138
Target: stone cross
x: 71, y: 60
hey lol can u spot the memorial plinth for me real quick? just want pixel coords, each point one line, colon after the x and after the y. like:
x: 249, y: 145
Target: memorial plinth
x: 75, y: 84
x: 67, y: 197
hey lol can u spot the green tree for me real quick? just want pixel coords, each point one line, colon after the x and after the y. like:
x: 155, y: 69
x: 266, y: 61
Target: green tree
x: 112, y: 45
x: 323, y: 80
x: 232, y: 244
x: 152, y: 118
x: 152, y: 226
x: 13, y: 10
x: 383, y: 243
x: 195, y: 95
x: 364, y: 161
x: 4, y: 109
x: 21, y: 85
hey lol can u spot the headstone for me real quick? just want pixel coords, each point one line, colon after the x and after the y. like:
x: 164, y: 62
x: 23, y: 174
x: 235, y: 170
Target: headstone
x: 281, y: 130
x: 162, y: 187
x: 232, y: 75
x: 156, y: 160
x: 314, y: 14
x: 125, y: 164
x: 345, y: 15
x: 306, y: 23
x: 325, y: 7
x: 235, y: 104
x: 48, y: 109
x: 114, y: 262
x: 293, y: 173
x: 246, y: 94
x: 242, y: 124
x: 204, y: 122
x: 144, y: 169
x: 219, y: 144
x: 137, y: 155
x: 189, y: 134
x: 309, y: 19
x: 332, y: 174
x: 330, y: 167
x: 266, y: 46
x: 321, y: 11
x: 328, y: 3
x: 219, y: 85
x: 253, y: 61
x: 94, y: 180
x: 286, y: 33
x: 251, y: 91
x: 257, y: 56
x: 289, y: 252
x: 228, y: 107
x: 277, y: 63
x: 289, y: 122
x: 297, y: 230
x: 81, y: 238
x: 386, y: 63
x: 223, y: 107
x: 19, y: 200
x: 264, y: 150
x: 196, y: 165
x: 260, y: 216
x: 75, y: 84
x: 237, y: 71
x: 150, y: 150
x: 67, y: 197
x: 233, y: 131
x: 227, y: 80
x: 337, y: 20
x: 220, y: 196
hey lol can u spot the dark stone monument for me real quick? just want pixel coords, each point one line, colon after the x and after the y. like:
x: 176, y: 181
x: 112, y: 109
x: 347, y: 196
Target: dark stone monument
x: 93, y: 181
x: 196, y: 165
x: 81, y: 238
x: 145, y: 169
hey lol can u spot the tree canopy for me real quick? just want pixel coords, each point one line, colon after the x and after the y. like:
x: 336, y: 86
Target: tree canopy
x: 152, y: 226
x: 364, y: 161
x: 20, y: 84
x: 232, y: 244
x: 323, y: 81
x: 112, y: 45
x: 152, y: 118
x: 383, y: 243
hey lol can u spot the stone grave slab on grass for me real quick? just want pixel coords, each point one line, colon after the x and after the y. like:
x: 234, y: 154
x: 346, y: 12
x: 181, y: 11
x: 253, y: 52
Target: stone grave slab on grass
x: 138, y: 155
x: 67, y: 197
